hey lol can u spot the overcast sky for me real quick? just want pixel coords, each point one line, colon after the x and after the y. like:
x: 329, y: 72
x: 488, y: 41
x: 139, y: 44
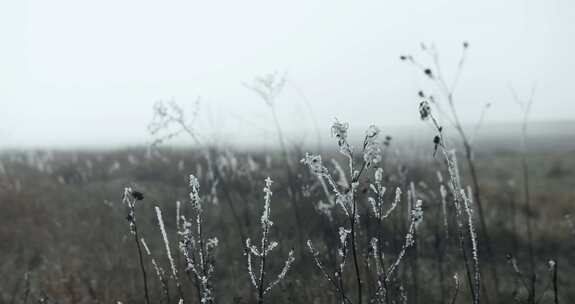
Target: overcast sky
x: 77, y: 73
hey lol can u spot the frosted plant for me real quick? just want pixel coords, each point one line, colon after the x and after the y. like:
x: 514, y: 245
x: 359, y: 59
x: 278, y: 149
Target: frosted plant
x: 178, y: 207
x: 166, y: 241
x: 346, y: 199
x: 323, y: 208
x: 378, y: 202
x: 378, y: 207
x: 445, y: 102
x: 198, y: 250
x: 385, y: 277
x: 130, y: 197
x: 381, y: 283
x: 314, y: 162
x: 261, y: 253
x: 169, y: 121
x: 554, y: 278
x: 335, y: 279
x: 416, y: 217
x: 459, y: 201
x: 159, y: 272
x: 339, y: 131
x: 457, y: 286
x: 372, y: 151
x: 472, y: 235
x: 342, y: 178
x: 342, y: 250
x: 316, y: 166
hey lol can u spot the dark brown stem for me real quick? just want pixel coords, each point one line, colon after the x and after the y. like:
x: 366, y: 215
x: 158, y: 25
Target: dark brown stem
x: 455, y: 293
x: 261, y: 287
x: 555, y: 288
x: 141, y: 258
x: 380, y: 250
x: 354, y: 252
x: 27, y: 288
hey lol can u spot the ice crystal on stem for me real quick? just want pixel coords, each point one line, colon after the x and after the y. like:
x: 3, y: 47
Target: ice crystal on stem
x: 416, y: 217
x: 372, y: 152
x: 266, y: 246
x: 339, y: 131
x: 168, y: 250
x: 198, y: 250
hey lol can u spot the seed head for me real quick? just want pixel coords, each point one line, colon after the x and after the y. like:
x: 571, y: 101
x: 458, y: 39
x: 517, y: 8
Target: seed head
x: 424, y: 110
x: 436, y: 139
x: 508, y: 256
x: 137, y: 195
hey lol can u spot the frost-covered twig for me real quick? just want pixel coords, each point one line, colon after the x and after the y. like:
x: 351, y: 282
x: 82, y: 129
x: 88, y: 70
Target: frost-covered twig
x: 472, y: 236
x: 197, y: 250
x: 337, y: 279
x: 380, y: 214
x: 378, y: 203
x: 456, y: 291
x: 346, y: 198
x: 458, y: 196
x: 266, y: 246
x: 159, y: 272
x: 169, y: 121
x: 553, y: 266
x: 168, y: 250
x: 416, y: 217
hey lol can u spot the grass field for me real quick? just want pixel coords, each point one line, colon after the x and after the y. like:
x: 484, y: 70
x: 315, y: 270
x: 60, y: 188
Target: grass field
x: 65, y: 238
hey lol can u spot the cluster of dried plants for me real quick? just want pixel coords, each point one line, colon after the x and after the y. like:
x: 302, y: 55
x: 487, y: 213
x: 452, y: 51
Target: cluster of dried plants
x: 374, y: 238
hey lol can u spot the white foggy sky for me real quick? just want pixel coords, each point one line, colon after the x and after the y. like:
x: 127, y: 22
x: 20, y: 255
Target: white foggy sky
x: 79, y: 73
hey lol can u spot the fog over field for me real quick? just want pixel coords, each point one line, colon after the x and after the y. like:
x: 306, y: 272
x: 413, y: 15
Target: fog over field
x: 101, y: 65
